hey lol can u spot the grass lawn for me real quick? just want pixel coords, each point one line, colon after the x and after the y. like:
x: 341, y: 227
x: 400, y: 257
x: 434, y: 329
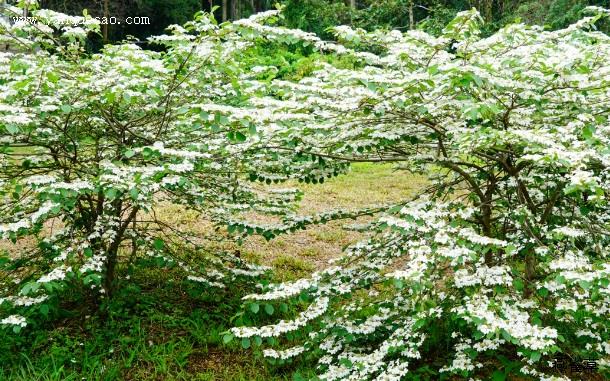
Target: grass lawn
x: 162, y: 327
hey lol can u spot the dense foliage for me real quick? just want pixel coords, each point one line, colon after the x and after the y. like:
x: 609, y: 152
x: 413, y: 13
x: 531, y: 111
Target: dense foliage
x: 431, y: 15
x: 500, y: 264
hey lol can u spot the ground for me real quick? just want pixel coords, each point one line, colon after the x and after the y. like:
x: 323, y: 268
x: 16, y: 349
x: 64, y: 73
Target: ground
x: 162, y: 327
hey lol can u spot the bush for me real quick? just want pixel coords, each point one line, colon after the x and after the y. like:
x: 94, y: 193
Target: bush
x: 501, y: 264
x: 93, y: 147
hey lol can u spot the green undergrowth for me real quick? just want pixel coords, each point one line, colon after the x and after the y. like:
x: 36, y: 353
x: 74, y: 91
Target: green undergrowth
x: 158, y: 326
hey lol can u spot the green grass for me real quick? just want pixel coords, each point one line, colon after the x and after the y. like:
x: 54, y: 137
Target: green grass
x: 161, y: 327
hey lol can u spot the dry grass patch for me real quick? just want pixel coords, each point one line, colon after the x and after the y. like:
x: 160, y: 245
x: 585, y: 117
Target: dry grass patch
x: 365, y: 185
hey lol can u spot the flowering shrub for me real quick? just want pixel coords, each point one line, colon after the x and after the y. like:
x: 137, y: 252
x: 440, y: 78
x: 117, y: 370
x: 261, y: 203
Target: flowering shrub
x: 92, y: 146
x: 502, y: 262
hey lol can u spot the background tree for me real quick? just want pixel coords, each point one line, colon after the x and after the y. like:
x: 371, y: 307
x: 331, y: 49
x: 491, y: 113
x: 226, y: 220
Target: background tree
x: 319, y: 15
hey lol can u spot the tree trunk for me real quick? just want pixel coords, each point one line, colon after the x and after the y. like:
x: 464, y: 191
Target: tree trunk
x: 411, y: 17
x: 105, y: 26
x: 487, y: 10
x: 353, y: 4
x: 113, y: 249
x: 111, y: 259
x: 530, y: 271
x: 234, y: 10
x: 225, y: 8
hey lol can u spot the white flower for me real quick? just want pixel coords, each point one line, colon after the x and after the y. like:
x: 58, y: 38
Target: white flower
x: 58, y: 273
x: 14, y: 320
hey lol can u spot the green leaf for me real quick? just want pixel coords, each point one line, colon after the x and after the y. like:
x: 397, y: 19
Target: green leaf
x: 227, y: 338
x: 478, y: 80
x: 129, y: 153
x: 30, y: 288
x: 49, y: 286
x: 560, y: 279
x: 269, y: 309
x: 158, y: 244
x: 92, y: 279
x: 254, y: 307
x: 536, y: 320
x: 588, y: 131
x: 510, y: 248
x: 66, y: 109
x: 245, y: 343
x: 585, y: 284
x: 12, y: 129
x: 498, y: 376
x: 506, y: 335
x: 147, y: 152
x: 44, y: 309
x: 134, y: 193
x: 236, y: 136
x: 53, y: 77
x: 222, y: 119
x: 111, y: 193
x: 240, y: 137
x: 535, y: 356
x: 258, y: 341
x: 110, y: 96
x: 4, y: 261
x: 419, y: 323
x: 518, y: 284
